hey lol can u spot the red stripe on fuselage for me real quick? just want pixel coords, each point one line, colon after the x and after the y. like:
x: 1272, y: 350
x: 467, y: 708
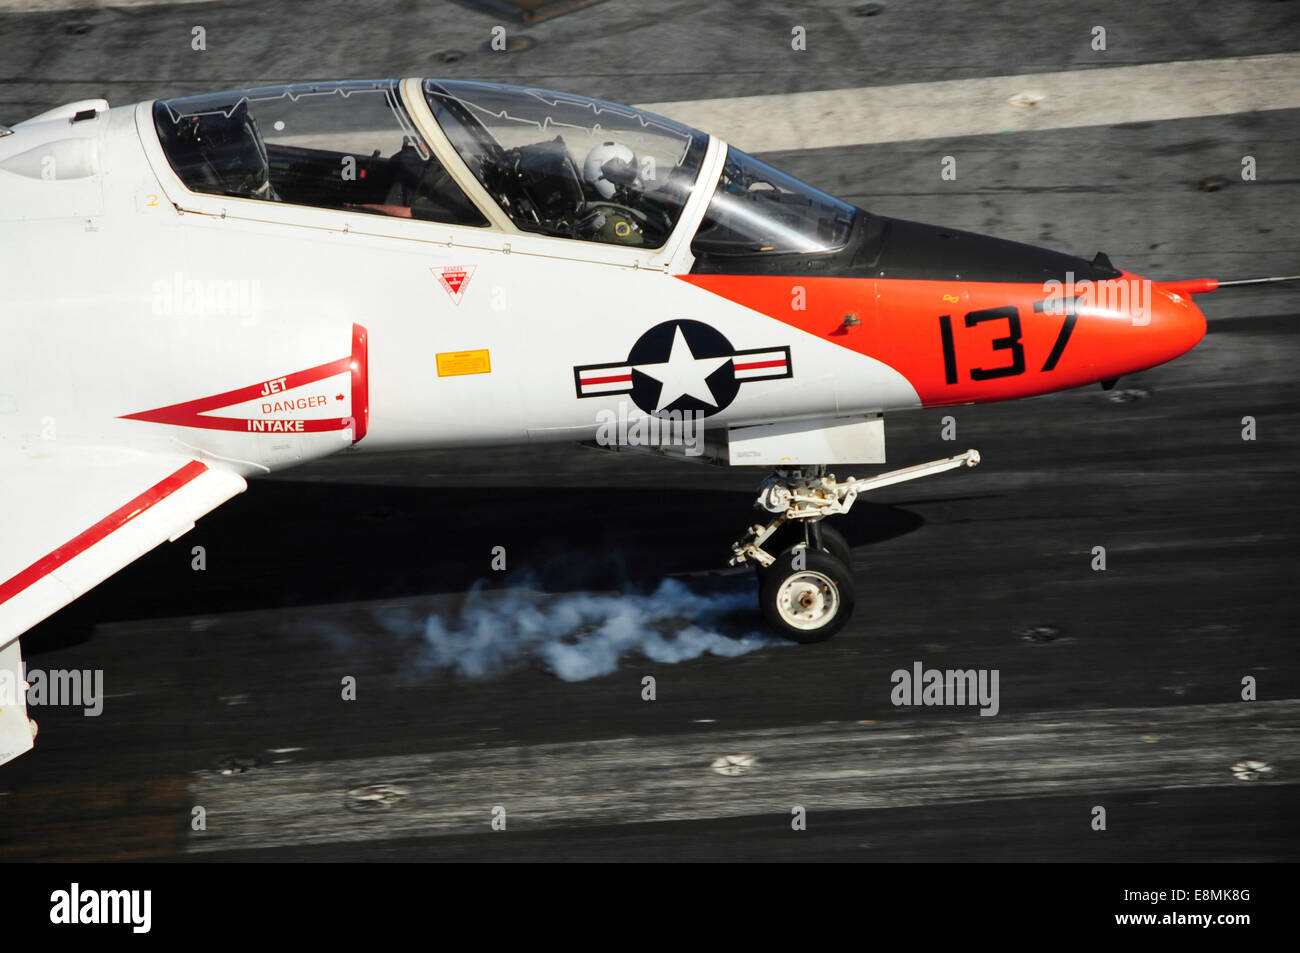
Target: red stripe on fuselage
x: 360, y: 382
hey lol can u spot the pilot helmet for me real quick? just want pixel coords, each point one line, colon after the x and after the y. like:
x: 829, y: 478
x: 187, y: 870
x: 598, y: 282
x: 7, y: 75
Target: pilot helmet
x: 610, y: 165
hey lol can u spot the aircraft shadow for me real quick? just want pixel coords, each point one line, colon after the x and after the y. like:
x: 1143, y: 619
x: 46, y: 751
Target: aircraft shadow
x: 285, y: 544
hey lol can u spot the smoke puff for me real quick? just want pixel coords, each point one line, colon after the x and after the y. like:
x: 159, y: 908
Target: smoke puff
x: 578, y: 636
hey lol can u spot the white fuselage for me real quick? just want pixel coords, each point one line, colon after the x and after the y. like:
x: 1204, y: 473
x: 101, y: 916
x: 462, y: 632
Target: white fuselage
x: 125, y: 293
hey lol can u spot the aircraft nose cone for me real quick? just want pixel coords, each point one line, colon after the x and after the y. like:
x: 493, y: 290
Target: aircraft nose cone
x: 1141, y: 324
x: 1177, y: 325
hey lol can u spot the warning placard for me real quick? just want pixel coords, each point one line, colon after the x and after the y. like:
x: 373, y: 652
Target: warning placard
x: 456, y: 363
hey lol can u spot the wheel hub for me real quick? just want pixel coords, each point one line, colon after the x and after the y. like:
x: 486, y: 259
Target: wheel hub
x: 808, y: 600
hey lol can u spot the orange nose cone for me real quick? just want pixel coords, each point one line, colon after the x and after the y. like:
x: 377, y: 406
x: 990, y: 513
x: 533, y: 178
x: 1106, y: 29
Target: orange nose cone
x: 1139, y: 324
x: 1177, y: 325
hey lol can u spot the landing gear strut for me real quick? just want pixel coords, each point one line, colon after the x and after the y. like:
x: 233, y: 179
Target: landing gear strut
x: 806, y: 592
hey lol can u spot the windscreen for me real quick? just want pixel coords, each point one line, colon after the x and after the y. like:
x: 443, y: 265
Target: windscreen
x: 759, y: 210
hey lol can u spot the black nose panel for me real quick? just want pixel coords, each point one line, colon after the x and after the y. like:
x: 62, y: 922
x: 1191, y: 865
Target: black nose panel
x: 880, y: 247
x: 914, y: 250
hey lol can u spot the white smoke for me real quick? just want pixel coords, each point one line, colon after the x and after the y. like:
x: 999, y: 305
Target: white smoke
x: 578, y: 636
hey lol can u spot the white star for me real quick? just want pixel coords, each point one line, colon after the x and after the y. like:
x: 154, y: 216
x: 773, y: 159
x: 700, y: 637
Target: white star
x: 683, y: 374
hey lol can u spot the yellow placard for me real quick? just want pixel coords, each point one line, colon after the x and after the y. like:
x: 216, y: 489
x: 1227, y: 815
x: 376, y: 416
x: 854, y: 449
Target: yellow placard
x: 455, y: 363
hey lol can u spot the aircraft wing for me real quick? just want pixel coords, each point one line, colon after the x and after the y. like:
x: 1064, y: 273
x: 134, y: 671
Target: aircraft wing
x: 70, y: 517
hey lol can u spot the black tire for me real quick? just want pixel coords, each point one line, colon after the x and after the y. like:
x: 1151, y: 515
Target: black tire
x: 823, y: 586
x: 791, y: 534
x: 833, y: 542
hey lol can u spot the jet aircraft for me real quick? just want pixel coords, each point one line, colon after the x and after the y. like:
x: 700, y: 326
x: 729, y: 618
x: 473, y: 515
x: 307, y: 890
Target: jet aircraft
x: 204, y: 289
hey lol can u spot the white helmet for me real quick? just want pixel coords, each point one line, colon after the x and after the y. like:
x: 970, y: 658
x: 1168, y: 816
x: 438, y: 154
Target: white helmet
x: 623, y: 169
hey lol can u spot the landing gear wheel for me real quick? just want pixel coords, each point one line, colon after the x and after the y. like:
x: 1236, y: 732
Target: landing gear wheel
x: 810, y: 603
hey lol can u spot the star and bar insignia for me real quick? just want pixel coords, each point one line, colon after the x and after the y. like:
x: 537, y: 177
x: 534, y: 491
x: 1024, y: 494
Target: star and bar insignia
x: 683, y: 365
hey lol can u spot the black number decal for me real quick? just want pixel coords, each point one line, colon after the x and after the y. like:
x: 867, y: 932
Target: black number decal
x: 1071, y: 308
x: 1009, y: 343
x: 949, y: 352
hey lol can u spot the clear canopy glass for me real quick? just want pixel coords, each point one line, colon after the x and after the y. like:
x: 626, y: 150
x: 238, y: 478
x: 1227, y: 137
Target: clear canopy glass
x: 759, y: 210
x: 557, y: 164
x: 331, y: 145
x: 570, y: 166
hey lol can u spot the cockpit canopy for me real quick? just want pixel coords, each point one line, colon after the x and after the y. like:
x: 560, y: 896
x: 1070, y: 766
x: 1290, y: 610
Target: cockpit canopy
x: 555, y: 164
x: 567, y: 165
x: 330, y: 145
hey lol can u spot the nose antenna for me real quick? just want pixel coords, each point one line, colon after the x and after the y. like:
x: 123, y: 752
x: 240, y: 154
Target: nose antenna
x: 1196, y: 286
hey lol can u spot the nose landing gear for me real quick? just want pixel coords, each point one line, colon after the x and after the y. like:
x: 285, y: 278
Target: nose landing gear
x: 806, y: 592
